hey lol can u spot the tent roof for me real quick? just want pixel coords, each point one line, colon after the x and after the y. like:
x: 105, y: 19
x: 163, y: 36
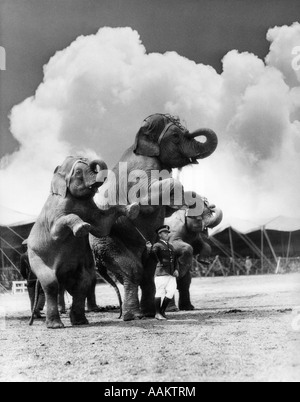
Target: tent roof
x: 279, y: 223
x: 9, y: 217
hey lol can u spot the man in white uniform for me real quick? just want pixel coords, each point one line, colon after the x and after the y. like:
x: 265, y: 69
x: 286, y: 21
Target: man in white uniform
x: 166, y: 272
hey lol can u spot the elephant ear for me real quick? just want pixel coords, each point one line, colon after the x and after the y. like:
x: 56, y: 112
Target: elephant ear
x: 59, y: 184
x: 146, y: 141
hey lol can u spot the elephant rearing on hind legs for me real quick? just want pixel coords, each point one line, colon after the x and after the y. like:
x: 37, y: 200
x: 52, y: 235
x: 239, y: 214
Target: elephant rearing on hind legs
x: 58, y: 245
x: 161, y: 144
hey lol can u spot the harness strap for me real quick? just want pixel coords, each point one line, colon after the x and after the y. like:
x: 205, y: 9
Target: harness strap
x: 164, y: 131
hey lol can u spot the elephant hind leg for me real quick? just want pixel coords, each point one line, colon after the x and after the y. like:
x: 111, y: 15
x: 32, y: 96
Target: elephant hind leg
x: 111, y: 253
x: 49, y: 283
x: 131, y: 310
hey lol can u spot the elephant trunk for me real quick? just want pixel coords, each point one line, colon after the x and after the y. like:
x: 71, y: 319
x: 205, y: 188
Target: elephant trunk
x: 97, y: 163
x: 216, y: 218
x: 100, y: 168
x: 206, y: 148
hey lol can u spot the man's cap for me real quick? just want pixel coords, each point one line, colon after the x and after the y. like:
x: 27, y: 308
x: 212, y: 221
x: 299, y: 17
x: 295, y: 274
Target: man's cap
x: 164, y: 228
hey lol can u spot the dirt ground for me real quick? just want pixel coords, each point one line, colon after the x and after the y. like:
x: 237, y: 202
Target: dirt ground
x: 243, y: 329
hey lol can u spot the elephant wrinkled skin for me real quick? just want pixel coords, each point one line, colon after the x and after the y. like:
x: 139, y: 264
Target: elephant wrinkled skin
x: 162, y: 143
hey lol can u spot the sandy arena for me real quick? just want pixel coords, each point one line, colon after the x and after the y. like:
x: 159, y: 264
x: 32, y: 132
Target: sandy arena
x: 243, y: 329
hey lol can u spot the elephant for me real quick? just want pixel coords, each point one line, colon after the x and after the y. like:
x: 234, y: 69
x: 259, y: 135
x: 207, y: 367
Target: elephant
x: 189, y: 235
x: 161, y: 144
x: 58, y: 245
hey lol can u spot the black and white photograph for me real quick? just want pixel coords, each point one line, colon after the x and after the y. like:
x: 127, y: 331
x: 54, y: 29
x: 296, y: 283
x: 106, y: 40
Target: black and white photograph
x: 149, y: 193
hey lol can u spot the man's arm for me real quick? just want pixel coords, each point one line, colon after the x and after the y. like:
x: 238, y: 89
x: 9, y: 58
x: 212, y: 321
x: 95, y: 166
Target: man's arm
x: 156, y: 251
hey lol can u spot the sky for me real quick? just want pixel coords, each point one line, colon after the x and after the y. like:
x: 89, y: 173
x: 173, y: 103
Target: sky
x: 81, y: 76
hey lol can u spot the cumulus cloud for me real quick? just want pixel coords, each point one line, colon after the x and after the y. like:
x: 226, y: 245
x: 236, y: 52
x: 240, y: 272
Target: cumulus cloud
x: 96, y: 92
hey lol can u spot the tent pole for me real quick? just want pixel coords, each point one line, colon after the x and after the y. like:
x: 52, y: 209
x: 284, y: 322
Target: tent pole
x: 289, y: 245
x: 2, y: 256
x: 270, y: 244
x: 232, y: 249
x: 256, y: 249
x: 262, y: 250
x: 226, y: 251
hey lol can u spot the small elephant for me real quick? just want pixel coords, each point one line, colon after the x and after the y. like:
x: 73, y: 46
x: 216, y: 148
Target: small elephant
x: 58, y: 245
x: 189, y: 237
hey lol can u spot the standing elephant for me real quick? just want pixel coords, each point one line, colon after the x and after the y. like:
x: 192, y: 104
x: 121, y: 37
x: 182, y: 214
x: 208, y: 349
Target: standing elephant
x: 161, y: 144
x: 189, y: 234
x: 58, y: 245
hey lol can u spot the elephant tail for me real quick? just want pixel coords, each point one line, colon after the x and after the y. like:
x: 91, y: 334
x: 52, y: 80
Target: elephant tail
x: 36, y: 298
x: 103, y: 272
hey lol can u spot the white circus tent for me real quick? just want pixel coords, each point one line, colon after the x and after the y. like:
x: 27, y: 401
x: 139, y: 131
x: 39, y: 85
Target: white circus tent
x: 14, y: 229
x: 273, y: 241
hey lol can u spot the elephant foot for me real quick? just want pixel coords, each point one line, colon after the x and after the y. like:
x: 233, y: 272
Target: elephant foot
x: 81, y: 229
x: 188, y: 307
x: 94, y: 309
x: 130, y: 316
x: 149, y: 315
x: 80, y: 322
x: 54, y: 324
x: 77, y: 319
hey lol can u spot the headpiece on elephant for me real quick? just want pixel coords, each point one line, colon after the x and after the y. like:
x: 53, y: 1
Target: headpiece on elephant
x: 152, y: 131
x: 63, y: 174
x: 185, y: 148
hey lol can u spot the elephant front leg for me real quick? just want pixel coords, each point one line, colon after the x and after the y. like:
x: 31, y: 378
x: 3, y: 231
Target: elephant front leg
x: 77, y: 313
x: 63, y: 225
x: 131, y: 307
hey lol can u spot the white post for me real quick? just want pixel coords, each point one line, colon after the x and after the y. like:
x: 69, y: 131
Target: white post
x: 278, y: 265
x: 2, y: 58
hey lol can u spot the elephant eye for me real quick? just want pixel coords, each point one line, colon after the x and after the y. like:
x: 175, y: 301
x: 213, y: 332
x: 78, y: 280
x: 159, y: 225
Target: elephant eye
x: 78, y: 173
x: 176, y: 137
